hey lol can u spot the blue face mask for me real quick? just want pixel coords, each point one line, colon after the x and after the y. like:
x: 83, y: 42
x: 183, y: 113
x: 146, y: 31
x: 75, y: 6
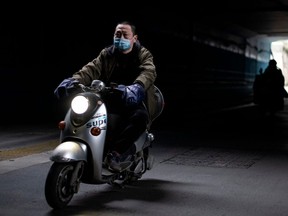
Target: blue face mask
x: 122, y: 44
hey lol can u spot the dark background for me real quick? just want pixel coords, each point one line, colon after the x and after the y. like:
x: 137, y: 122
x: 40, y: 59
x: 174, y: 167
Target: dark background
x: 199, y: 51
x: 40, y: 47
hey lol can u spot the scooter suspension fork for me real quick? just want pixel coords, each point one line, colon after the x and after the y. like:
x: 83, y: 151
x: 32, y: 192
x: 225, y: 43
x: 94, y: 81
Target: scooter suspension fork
x: 76, y: 176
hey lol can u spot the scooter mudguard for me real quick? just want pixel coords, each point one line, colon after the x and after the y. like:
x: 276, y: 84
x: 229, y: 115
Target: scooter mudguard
x: 69, y: 151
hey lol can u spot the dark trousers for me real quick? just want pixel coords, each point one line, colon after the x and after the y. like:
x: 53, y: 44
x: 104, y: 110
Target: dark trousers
x: 130, y: 125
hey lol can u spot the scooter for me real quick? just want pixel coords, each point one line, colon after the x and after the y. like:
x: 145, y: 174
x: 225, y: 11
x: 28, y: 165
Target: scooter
x: 80, y: 156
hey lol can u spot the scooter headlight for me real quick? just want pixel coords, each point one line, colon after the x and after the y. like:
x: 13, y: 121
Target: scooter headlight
x: 80, y: 104
x: 83, y: 107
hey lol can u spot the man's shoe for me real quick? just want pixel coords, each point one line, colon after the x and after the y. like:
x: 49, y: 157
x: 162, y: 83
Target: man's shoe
x: 117, y: 162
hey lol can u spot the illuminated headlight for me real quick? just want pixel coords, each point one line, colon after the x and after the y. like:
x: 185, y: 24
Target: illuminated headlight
x: 80, y: 104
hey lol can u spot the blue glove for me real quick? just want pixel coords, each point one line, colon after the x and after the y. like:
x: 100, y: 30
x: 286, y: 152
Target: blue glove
x: 64, y: 87
x: 134, y: 94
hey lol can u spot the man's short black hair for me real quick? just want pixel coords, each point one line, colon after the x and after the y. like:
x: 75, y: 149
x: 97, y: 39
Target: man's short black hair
x: 133, y: 27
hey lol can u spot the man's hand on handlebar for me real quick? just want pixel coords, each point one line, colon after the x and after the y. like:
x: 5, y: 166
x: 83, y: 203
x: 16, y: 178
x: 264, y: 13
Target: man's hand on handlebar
x: 66, y: 87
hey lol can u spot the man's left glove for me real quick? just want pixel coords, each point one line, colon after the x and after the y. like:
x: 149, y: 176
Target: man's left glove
x: 134, y: 94
x: 64, y: 87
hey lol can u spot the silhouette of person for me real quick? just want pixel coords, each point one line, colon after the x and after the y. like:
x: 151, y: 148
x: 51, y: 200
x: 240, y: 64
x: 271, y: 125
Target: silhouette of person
x: 273, y: 88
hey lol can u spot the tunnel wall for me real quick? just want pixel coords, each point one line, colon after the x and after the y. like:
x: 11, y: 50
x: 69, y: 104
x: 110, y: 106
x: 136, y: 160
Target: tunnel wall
x: 225, y: 67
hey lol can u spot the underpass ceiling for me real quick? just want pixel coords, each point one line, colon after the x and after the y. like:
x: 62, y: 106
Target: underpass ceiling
x: 256, y: 17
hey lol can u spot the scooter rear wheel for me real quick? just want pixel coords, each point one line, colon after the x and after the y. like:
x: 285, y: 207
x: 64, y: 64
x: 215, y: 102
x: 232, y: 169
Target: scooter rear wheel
x: 58, y: 191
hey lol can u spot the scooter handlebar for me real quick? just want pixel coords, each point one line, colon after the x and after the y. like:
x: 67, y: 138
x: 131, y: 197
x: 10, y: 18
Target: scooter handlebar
x: 97, y: 86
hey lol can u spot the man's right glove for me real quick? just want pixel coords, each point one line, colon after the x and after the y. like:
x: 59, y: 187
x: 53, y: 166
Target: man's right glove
x: 64, y: 87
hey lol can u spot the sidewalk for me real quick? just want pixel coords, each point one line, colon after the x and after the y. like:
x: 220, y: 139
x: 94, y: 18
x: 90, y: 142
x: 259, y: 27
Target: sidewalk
x: 245, y: 127
x: 26, y: 140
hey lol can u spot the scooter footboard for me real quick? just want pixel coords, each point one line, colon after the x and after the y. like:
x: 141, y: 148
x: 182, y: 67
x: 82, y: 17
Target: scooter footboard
x: 69, y: 151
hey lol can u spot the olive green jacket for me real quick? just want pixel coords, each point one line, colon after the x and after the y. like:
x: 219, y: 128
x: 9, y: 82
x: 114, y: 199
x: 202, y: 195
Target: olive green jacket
x: 103, y: 66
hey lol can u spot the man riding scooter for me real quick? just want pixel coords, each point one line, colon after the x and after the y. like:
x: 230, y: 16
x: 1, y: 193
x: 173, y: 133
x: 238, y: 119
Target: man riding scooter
x: 131, y: 65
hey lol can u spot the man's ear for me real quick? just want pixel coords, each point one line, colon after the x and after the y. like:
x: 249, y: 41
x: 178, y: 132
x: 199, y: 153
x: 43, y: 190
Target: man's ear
x: 135, y: 37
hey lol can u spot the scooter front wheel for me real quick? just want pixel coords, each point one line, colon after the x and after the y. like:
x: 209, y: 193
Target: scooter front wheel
x: 58, y: 190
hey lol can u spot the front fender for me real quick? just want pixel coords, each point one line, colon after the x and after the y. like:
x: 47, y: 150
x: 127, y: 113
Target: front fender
x: 69, y: 151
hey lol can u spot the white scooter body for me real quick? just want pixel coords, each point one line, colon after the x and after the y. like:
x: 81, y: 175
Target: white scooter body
x: 76, y: 142
x: 79, y: 158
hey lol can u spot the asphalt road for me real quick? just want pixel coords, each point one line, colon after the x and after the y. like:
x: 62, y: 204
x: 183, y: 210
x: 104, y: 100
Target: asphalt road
x: 226, y: 163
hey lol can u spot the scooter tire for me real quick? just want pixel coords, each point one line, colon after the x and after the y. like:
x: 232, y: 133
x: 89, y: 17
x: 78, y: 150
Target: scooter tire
x: 58, y: 192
